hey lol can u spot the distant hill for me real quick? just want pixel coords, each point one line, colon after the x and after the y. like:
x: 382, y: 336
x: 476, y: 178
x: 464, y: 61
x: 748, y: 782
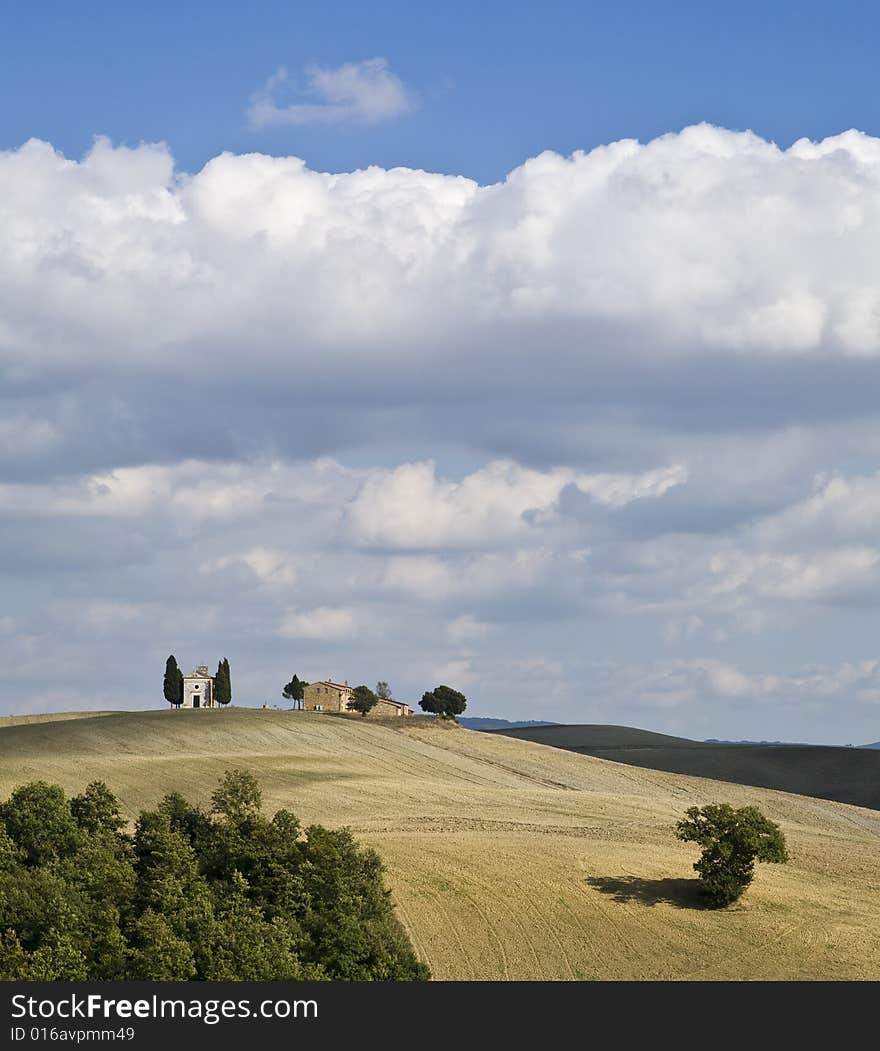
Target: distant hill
x: 741, y: 740
x: 848, y: 775
x: 479, y: 723
x: 876, y: 744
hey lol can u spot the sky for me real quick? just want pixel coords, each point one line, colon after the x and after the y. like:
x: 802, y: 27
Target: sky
x: 529, y: 349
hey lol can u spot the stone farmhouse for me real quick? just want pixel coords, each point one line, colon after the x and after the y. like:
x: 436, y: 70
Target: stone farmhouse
x: 198, y: 689
x: 329, y: 696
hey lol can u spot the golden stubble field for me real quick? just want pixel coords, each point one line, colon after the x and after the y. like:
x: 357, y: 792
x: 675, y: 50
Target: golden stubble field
x: 507, y: 860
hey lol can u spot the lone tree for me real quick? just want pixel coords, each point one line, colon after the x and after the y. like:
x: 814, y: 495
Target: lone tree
x: 172, y: 685
x: 222, y: 684
x: 732, y: 841
x: 293, y: 691
x: 383, y: 690
x: 362, y: 699
x: 443, y: 701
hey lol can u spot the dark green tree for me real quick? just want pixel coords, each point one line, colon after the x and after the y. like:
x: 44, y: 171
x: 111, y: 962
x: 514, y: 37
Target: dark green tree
x: 383, y: 690
x: 362, y: 699
x: 172, y: 685
x: 352, y: 923
x: 293, y: 691
x: 247, y: 945
x: 97, y: 809
x: 38, y: 820
x: 443, y: 701
x: 170, y: 884
x: 191, y: 821
x: 732, y: 841
x: 222, y: 683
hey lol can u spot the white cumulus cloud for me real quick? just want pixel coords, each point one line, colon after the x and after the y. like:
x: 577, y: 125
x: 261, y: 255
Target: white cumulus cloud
x: 410, y: 507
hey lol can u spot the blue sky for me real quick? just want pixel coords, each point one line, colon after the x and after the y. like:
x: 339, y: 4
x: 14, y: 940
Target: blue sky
x: 569, y: 401
x: 495, y: 82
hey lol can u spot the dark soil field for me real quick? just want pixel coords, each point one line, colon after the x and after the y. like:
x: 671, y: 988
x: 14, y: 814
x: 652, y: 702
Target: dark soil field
x: 848, y: 775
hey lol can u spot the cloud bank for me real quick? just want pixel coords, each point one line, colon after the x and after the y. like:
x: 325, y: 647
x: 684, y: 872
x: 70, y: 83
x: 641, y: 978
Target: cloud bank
x: 598, y: 442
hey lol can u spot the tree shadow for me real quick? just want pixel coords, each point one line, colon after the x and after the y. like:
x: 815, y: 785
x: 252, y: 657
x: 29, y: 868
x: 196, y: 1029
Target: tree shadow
x: 682, y: 893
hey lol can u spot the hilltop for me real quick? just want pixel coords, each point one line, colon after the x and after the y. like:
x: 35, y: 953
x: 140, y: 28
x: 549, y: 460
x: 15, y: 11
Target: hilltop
x: 507, y: 858
x: 848, y: 775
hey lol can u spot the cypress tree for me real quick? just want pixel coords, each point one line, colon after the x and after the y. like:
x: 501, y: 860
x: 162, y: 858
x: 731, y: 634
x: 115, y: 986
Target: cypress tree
x: 222, y: 683
x: 218, y: 685
x: 172, y: 685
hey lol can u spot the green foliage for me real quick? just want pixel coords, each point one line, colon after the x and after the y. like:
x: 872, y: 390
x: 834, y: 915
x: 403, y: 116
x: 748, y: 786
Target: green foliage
x: 172, y: 684
x: 222, y: 683
x: 293, y: 691
x: 231, y: 895
x: 351, y: 916
x: 238, y: 797
x: 443, y: 701
x: 97, y: 809
x: 39, y: 822
x: 57, y: 959
x: 383, y: 691
x: 191, y: 821
x: 732, y: 841
x: 10, y: 855
x: 362, y: 699
x: 157, y: 952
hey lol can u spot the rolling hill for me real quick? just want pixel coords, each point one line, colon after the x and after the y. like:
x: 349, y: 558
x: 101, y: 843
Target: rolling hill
x: 848, y: 775
x: 508, y: 859
x: 481, y: 723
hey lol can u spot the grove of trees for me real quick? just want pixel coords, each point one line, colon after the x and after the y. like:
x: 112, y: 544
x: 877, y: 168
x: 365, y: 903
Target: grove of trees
x: 732, y: 841
x: 220, y: 895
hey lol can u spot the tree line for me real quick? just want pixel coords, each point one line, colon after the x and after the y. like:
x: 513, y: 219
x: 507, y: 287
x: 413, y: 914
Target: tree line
x: 225, y: 894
